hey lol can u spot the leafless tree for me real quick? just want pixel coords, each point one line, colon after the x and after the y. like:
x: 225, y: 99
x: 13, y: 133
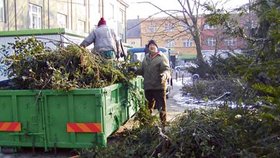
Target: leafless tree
x: 188, y: 14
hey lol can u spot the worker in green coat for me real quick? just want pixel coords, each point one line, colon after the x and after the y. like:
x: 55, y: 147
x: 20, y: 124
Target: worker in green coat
x: 156, y: 71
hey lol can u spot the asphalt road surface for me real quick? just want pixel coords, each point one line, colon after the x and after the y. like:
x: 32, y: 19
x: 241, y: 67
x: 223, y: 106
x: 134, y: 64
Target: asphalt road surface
x: 173, y: 108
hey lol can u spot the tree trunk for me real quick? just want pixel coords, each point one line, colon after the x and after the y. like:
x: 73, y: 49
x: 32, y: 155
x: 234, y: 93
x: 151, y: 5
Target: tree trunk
x: 197, y: 41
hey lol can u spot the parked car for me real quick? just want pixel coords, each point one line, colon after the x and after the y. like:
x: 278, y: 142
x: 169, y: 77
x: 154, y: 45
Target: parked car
x: 185, y: 66
x: 180, y: 68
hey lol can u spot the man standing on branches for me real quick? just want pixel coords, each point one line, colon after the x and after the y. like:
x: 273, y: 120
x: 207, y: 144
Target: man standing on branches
x: 156, y: 71
x: 104, y: 40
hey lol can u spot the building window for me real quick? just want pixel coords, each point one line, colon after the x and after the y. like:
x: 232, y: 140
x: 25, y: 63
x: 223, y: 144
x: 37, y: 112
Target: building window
x: 211, y: 41
x: 169, y: 27
x: 152, y: 28
x: 83, y: 2
x: 170, y: 43
x: 230, y: 42
x: 35, y: 16
x: 122, y: 14
x: 81, y: 26
x: 111, y: 11
x: 209, y: 27
x: 2, y: 11
x: 62, y: 20
x: 187, y: 43
x: 249, y: 24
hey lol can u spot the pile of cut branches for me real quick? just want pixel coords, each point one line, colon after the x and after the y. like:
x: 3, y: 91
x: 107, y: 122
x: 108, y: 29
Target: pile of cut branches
x: 31, y: 65
x: 222, y: 132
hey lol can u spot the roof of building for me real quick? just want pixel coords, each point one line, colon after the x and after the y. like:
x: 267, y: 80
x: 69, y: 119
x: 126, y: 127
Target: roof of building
x: 34, y: 32
x: 133, y: 28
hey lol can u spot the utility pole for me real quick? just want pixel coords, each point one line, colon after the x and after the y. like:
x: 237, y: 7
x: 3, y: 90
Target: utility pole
x: 102, y: 8
x: 15, y: 5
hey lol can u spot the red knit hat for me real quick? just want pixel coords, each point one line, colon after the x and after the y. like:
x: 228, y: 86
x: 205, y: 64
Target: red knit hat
x: 101, y: 22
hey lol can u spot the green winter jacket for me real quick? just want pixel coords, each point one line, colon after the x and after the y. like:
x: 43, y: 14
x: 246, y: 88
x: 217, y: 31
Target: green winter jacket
x: 152, y: 69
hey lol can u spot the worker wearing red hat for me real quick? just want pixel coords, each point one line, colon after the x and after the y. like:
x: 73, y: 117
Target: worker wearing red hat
x: 101, y: 22
x: 104, y: 40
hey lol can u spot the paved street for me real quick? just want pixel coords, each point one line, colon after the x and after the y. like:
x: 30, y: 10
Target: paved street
x: 173, y: 108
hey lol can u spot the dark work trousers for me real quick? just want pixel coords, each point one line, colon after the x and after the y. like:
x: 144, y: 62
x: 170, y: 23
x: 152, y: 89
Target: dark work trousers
x: 157, y: 100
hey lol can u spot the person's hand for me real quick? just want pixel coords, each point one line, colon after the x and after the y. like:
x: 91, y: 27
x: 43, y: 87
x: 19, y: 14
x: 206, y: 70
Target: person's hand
x: 163, y: 77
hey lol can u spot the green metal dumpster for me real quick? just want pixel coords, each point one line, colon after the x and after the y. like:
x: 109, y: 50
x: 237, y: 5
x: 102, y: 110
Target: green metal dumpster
x: 81, y: 118
x: 20, y: 120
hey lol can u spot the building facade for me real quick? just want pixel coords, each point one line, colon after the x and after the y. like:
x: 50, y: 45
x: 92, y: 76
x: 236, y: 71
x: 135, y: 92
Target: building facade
x: 79, y: 16
x: 215, y: 40
x: 175, y: 35
x: 167, y: 32
x: 133, y: 36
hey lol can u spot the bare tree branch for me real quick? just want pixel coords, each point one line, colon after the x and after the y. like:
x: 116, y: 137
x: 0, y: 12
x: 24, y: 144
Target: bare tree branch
x: 188, y: 13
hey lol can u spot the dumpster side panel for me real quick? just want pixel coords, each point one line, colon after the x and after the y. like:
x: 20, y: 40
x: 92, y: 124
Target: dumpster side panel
x: 135, y: 93
x: 21, y: 119
x: 115, y: 112
x: 74, y: 119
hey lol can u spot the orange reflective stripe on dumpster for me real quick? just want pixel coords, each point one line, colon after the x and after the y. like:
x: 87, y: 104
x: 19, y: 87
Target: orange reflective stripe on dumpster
x: 84, y: 127
x: 10, y: 126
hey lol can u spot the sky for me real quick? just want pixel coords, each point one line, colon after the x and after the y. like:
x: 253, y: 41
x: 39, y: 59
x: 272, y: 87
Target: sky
x: 144, y: 10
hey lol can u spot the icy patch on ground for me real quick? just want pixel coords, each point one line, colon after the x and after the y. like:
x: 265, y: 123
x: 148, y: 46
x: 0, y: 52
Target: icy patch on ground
x: 189, y: 102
